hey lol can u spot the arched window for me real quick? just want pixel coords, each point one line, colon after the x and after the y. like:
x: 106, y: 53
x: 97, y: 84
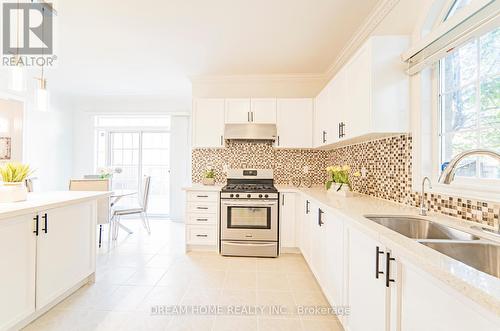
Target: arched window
x: 455, y: 7
x: 455, y: 66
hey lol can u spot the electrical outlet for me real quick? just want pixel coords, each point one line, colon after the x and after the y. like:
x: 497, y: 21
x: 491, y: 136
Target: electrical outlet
x: 225, y: 168
x: 363, y: 172
x: 305, y: 169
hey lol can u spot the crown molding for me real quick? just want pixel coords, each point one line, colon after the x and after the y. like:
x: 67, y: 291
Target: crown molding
x: 383, y: 8
x: 256, y: 78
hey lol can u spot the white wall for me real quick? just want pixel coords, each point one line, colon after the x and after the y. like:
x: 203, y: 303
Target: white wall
x: 47, y: 135
x: 87, y: 108
x: 180, y: 164
x: 11, y: 125
x: 84, y: 136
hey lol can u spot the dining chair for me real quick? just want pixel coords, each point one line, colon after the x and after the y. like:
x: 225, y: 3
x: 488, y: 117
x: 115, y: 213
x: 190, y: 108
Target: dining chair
x: 141, y: 209
x: 103, y: 204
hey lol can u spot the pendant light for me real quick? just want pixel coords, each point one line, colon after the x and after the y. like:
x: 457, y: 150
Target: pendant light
x: 17, y: 82
x: 41, y: 93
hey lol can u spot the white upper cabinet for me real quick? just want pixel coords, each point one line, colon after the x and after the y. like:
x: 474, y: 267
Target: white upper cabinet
x: 368, y: 97
x: 238, y: 111
x: 294, y: 123
x: 320, y: 131
x: 208, y: 123
x: 263, y: 111
x: 356, y: 119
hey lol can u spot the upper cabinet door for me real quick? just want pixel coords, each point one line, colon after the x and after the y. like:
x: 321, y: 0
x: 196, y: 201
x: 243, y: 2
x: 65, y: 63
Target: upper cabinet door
x: 208, y: 123
x: 335, y: 117
x: 17, y: 275
x: 238, y: 111
x: 320, y: 132
x: 295, y: 123
x: 263, y: 111
x: 358, y: 115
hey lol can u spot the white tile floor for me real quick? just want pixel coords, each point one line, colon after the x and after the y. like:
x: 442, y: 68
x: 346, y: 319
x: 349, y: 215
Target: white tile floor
x: 142, y: 271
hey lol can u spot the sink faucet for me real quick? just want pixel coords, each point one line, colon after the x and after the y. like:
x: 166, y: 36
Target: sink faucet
x: 423, y: 208
x: 448, y: 174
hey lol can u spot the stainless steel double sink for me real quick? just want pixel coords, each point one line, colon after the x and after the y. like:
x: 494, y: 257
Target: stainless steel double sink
x: 459, y: 245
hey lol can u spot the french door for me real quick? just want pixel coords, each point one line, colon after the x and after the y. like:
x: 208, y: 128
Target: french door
x: 142, y: 153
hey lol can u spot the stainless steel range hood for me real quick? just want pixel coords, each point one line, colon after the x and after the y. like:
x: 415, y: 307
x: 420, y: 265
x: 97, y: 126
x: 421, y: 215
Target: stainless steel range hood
x: 250, y: 132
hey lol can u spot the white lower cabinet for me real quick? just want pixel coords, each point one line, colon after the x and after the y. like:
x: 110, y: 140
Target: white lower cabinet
x: 65, y: 250
x: 43, y: 255
x: 383, y: 291
x: 306, y: 230
x: 368, y: 293
x: 287, y: 220
x: 318, y: 242
x: 202, y: 219
x: 17, y: 274
x: 428, y: 304
x: 333, y: 259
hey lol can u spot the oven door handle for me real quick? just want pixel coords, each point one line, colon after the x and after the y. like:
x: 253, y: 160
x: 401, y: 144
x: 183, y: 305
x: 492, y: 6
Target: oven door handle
x: 250, y: 244
x: 250, y: 204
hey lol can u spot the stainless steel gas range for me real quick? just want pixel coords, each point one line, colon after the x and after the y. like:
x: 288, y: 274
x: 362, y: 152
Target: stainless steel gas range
x: 249, y: 214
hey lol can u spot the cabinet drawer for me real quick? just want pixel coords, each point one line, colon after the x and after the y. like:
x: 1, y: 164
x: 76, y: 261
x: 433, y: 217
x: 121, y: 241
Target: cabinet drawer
x: 202, y: 196
x: 201, y: 235
x: 201, y: 219
x: 202, y: 207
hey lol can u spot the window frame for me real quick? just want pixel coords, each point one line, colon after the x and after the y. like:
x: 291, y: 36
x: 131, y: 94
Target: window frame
x: 424, y: 85
x: 476, y: 83
x: 479, y: 188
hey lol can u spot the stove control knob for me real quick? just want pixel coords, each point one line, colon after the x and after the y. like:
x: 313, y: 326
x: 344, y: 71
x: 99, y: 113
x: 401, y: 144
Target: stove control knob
x: 237, y: 195
x: 249, y: 195
x: 231, y: 195
x: 260, y: 195
x: 266, y: 196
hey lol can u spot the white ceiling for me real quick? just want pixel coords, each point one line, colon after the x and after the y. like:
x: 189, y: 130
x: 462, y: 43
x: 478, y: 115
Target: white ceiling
x: 151, y: 47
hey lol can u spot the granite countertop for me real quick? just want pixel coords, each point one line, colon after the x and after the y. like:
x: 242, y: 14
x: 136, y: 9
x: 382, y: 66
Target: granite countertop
x: 38, y: 201
x: 480, y: 287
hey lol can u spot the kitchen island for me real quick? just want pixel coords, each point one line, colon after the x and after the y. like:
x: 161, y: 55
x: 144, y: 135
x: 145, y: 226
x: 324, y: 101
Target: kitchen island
x: 47, y: 251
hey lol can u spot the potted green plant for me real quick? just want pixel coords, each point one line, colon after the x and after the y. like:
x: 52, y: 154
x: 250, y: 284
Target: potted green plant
x: 13, y: 177
x: 338, y: 180
x: 209, y: 177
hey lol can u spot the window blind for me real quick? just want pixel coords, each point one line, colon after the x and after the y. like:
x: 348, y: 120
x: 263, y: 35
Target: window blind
x: 452, y: 34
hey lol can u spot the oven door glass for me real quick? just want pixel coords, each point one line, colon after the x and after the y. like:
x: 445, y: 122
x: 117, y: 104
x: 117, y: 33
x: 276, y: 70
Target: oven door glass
x: 239, y: 217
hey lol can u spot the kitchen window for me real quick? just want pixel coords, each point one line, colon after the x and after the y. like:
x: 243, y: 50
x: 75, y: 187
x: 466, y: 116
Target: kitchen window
x: 469, y: 106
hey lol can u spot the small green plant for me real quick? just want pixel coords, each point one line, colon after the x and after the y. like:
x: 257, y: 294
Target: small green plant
x: 210, y: 173
x: 339, y: 175
x: 15, y: 172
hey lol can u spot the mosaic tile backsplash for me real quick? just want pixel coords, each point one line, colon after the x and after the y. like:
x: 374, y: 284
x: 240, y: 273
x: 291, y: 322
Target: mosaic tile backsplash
x: 286, y: 163
x: 387, y: 162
